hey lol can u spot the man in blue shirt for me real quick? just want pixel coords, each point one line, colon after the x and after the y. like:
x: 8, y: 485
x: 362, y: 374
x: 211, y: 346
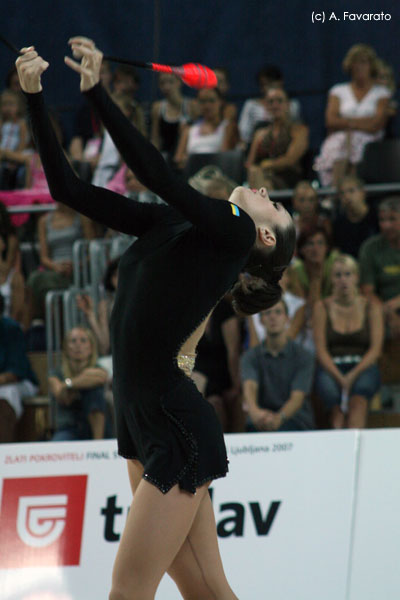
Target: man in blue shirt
x: 17, y: 380
x: 277, y: 378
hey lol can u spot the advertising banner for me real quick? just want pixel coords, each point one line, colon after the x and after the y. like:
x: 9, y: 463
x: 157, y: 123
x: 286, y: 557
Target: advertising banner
x: 376, y: 547
x: 283, y: 513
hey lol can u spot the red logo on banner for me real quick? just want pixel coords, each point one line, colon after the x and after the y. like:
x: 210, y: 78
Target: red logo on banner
x: 41, y: 521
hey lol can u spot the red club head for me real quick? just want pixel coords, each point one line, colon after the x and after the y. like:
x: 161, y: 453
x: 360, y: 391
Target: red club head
x: 196, y: 75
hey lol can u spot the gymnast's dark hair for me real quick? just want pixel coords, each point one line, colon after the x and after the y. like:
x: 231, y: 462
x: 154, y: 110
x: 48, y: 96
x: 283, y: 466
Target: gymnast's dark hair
x: 259, y: 288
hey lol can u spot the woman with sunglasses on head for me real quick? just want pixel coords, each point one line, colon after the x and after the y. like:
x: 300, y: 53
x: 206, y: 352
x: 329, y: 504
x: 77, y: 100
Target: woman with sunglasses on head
x: 188, y: 255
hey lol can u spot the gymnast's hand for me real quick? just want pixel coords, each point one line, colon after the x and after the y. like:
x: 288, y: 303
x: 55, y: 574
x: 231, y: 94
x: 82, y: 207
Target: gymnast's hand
x: 91, y: 58
x: 30, y: 67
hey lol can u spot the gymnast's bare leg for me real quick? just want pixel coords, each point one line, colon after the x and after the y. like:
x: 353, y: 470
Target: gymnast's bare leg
x: 172, y: 533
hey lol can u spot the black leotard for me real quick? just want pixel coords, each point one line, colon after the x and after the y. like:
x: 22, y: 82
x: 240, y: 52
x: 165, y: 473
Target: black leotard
x: 187, y: 256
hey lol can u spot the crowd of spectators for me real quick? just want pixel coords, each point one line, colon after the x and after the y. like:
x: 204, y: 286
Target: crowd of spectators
x: 318, y: 349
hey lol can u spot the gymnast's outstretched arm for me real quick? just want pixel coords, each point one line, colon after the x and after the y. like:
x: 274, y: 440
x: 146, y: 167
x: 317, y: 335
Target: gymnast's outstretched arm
x: 104, y: 206
x: 220, y: 220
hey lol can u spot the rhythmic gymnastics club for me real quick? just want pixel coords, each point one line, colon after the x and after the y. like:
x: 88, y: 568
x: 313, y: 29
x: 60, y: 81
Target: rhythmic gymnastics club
x: 194, y: 75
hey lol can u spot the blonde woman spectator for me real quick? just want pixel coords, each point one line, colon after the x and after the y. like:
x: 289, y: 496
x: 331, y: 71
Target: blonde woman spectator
x: 276, y: 150
x: 79, y: 389
x: 348, y: 334
x: 356, y: 114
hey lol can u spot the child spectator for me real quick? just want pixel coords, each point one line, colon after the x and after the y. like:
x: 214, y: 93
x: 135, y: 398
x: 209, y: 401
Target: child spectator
x: 11, y: 279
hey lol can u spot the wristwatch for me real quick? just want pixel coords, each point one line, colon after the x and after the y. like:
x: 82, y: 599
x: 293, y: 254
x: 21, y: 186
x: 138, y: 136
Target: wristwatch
x: 68, y: 382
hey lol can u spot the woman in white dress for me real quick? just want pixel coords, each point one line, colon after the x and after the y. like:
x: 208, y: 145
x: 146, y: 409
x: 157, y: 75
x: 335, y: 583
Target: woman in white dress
x: 356, y: 114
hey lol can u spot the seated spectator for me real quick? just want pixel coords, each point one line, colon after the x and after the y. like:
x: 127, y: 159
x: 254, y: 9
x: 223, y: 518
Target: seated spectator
x: 255, y: 110
x: 11, y: 279
x: 356, y: 114
x: 87, y: 122
x: 310, y: 272
x: 293, y: 303
x: 12, y: 80
x: 211, y: 133
x: 229, y: 110
x: 380, y: 264
x: 276, y: 150
x: 310, y: 278
x: 14, y: 137
x: 170, y: 114
x: 306, y: 210
x: 17, y: 380
x: 99, y: 323
x: 277, y: 377
x: 35, y: 185
x: 78, y: 389
x: 57, y: 231
x: 108, y: 160
x: 348, y: 334
x: 356, y: 221
x: 385, y: 77
x: 211, y: 181
x: 218, y: 354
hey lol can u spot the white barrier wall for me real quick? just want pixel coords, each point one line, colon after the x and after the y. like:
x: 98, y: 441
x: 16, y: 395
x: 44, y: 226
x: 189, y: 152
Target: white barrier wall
x: 285, y: 517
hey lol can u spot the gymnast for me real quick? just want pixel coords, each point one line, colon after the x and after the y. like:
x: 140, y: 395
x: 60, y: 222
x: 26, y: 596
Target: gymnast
x: 190, y: 252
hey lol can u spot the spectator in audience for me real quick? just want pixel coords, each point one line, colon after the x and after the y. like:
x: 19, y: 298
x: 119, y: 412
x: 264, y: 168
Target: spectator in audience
x: 11, y: 279
x: 356, y: 221
x: 14, y: 136
x: 211, y: 181
x: 277, y: 377
x: 126, y: 80
x: 218, y: 359
x: 108, y: 160
x: 35, y: 189
x: 293, y: 303
x: 211, y: 133
x: 170, y: 114
x: 229, y: 110
x: 310, y: 278
x: 99, y: 323
x: 17, y: 380
x: 380, y: 264
x: 87, y: 122
x: 12, y: 80
x: 348, y: 333
x: 356, y: 114
x: 385, y: 77
x: 78, y: 389
x: 310, y: 272
x: 255, y: 110
x: 276, y: 150
x: 306, y: 210
x: 57, y: 231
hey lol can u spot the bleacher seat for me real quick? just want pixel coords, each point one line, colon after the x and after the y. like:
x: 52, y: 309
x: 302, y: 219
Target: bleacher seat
x: 381, y: 162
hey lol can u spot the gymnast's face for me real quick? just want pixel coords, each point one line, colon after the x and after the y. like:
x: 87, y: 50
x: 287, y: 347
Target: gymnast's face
x: 260, y: 208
